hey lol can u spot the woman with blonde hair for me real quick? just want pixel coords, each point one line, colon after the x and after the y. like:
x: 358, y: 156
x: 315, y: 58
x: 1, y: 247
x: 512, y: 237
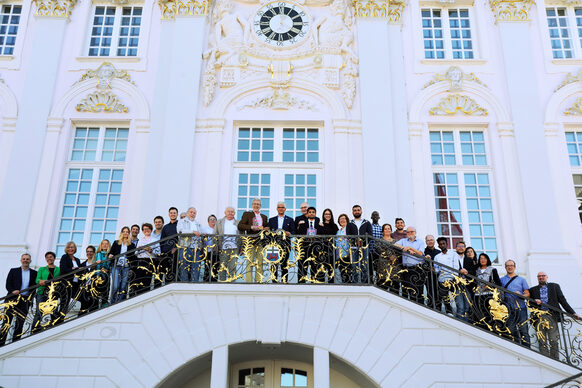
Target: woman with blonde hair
x: 120, y: 276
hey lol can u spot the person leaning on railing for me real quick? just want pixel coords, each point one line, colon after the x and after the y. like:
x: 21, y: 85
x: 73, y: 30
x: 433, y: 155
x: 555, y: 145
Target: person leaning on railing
x: 413, y: 275
x: 343, y: 251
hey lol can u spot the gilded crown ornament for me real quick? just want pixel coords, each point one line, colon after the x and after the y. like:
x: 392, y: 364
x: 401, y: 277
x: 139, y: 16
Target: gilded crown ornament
x: 54, y: 8
x: 172, y: 8
x: 511, y: 10
x: 387, y: 9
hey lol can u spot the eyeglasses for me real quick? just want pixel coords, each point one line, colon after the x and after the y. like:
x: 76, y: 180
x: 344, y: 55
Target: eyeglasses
x: 509, y: 265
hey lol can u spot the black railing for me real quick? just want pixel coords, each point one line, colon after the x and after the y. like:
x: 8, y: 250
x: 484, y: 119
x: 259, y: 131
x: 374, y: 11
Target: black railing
x: 574, y: 381
x: 273, y: 257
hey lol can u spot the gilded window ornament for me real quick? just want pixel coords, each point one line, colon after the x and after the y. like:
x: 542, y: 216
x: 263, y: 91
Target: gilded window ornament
x: 570, y: 79
x: 387, y: 9
x: 54, y: 8
x: 454, y: 103
x: 280, y: 99
x: 101, y: 101
x: 511, y: 10
x: 104, y: 74
x: 455, y: 76
x: 575, y: 109
x: 172, y: 8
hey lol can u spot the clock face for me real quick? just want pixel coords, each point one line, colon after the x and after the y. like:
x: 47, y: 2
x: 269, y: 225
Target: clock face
x: 281, y: 24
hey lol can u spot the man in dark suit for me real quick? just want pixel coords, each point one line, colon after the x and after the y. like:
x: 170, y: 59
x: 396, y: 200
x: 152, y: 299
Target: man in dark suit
x: 309, y: 252
x: 287, y: 225
x: 546, y: 321
x: 303, y: 217
x: 18, y: 279
x: 253, y: 222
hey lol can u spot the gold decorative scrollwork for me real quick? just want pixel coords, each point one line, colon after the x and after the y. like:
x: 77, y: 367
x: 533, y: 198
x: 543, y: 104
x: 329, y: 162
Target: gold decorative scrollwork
x: 387, y: 9
x: 511, y: 10
x: 104, y: 74
x: 101, y: 101
x: 454, y: 103
x: 575, y: 109
x: 455, y: 76
x: 172, y: 8
x: 54, y: 8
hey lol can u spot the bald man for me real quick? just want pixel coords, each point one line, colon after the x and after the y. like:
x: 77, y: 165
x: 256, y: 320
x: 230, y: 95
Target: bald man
x: 549, y: 294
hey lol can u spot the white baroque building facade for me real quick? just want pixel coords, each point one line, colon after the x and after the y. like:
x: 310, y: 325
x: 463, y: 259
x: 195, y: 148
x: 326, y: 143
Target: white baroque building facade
x: 462, y: 117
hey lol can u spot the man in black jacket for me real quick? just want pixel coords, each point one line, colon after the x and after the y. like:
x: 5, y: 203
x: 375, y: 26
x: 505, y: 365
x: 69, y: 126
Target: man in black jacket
x: 309, y: 252
x: 546, y: 321
x: 18, y: 279
x: 168, y: 257
x: 360, y: 227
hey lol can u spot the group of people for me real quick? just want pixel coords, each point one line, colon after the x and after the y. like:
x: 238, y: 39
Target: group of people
x: 352, y: 251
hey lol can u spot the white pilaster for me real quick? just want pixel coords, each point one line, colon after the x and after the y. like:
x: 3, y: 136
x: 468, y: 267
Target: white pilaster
x: 377, y: 125
x: 219, y: 373
x: 349, y: 157
x: 320, y: 368
x: 419, y: 179
x: 532, y: 155
x: 206, y: 162
x: 399, y: 134
x: 22, y: 171
x: 174, y: 113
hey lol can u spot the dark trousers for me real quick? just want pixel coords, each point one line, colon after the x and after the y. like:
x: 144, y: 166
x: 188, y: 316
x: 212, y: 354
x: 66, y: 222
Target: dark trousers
x: 16, y: 314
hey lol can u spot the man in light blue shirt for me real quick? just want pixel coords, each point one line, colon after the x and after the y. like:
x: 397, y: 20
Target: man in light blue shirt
x: 517, y: 321
x: 413, y: 275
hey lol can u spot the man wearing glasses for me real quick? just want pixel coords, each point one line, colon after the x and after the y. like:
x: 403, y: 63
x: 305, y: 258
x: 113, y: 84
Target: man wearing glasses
x: 517, y: 321
x: 547, y: 321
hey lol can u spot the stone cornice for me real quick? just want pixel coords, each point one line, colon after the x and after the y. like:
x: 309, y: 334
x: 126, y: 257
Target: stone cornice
x: 172, y: 8
x: 511, y: 10
x: 54, y: 8
x: 385, y: 9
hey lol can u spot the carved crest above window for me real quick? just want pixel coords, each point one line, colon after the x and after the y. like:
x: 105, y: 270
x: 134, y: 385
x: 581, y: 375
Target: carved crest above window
x: 455, y: 76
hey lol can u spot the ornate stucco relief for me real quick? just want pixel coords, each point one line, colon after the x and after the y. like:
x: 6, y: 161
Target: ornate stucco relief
x: 575, y: 109
x: 387, y: 9
x: 236, y: 53
x: 104, y: 74
x: 511, y: 10
x: 570, y: 79
x: 455, y: 103
x: 54, y: 8
x: 455, y: 77
x: 281, y: 100
x: 172, y: 8
x: 101, y: 101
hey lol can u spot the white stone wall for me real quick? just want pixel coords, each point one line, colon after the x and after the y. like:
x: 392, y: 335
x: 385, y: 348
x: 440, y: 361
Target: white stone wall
x: 395, y: 343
